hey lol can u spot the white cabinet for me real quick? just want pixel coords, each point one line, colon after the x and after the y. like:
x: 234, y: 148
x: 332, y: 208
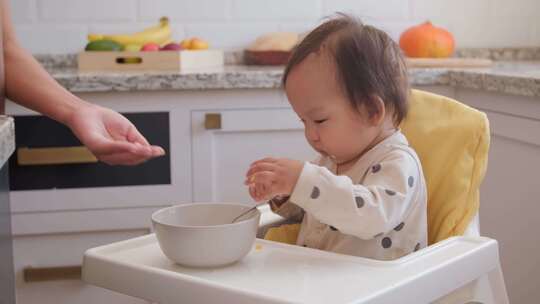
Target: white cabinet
x: 226, y: 141
x: 45, y: 266
x: 48, y: 250
x: 510, y: 193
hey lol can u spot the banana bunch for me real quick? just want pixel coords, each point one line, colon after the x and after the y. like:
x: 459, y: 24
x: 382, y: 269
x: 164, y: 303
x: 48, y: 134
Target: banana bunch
x: 160, y: 34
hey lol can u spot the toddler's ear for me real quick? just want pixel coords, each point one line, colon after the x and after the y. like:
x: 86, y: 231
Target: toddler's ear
x: 377, y: 118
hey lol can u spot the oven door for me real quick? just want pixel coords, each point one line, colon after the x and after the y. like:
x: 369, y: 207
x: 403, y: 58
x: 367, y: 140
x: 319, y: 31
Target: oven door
x: 52, y: 171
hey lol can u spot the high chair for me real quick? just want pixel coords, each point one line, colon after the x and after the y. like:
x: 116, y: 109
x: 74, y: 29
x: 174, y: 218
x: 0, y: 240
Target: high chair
x: 459, y: 266
x: 452, y: 141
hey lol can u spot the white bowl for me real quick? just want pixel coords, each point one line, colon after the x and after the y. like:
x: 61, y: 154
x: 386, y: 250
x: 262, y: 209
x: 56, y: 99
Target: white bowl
x: 201, y: 234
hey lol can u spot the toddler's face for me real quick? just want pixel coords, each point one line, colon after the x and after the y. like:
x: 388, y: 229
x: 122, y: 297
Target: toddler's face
x: 333, y: 126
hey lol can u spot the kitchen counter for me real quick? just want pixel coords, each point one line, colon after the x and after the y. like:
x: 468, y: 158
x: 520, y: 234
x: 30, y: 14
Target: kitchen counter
x: 509, y: 77
x: 7, y: 138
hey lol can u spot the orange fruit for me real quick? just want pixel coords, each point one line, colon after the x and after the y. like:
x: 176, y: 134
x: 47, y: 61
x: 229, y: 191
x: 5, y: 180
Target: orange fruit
x: 427, y: 41
x: 199, y: 44
x: 186, y: 44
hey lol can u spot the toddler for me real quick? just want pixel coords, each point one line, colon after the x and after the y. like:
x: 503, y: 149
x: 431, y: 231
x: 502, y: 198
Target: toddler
x: 366, y: 194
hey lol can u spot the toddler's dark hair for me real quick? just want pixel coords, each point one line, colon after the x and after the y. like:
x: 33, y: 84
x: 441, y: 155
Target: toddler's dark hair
x: 368, y: 63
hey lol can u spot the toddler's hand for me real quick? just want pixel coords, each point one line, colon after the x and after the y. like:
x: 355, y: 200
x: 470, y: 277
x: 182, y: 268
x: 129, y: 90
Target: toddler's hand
x: 269, y: 177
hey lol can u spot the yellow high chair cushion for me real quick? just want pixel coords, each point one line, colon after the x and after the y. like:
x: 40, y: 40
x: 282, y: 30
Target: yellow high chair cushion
x: 287, y: 233
x: 452, y: 141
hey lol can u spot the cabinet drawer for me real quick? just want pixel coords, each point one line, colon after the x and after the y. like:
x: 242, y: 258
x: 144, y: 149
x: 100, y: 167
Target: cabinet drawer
x: 38, y: 134
x: 59, y: 222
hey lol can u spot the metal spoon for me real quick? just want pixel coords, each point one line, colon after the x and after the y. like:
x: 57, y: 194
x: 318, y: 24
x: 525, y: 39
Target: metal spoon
x: 247, y: 211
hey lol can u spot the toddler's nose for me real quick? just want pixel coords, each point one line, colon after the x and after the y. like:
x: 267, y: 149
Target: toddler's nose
x: 311, y: 134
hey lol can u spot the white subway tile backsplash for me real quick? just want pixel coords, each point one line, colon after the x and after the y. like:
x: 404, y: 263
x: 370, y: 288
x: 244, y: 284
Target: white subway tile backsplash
x: 516, y: 9
x: 23, y: 10
x: 453, y: 14
x: 393, y: 29
x: 369, y: 10
x: 469, y: 21
x: 276, y: 10
x: 535, y: 40
x: 85, y: 10
x: 60, y: 26
x: 230, y: 36
x: 185, y: 10
x: 495, y: 34
x: 55, y: 39
x: 299, y: 27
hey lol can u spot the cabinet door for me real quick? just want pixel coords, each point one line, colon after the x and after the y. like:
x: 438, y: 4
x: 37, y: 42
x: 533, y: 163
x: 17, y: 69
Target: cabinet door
x: 509, y: 195
x: 225, y: 142
x: 48, y: 268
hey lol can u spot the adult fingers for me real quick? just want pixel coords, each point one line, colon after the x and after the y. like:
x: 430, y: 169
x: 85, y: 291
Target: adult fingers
x: 134, y: 136
x: 122, y: 159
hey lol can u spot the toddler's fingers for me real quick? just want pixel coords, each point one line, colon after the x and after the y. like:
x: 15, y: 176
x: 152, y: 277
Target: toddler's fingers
x: 252, y: 192
x: 250, y: 180
x: 261, y: 167
x: 263, y: 191
x: 260, y: 190
x: 265, y: 177
x: 267, y: 192
x: 265, y: 160
x: 259, y: 193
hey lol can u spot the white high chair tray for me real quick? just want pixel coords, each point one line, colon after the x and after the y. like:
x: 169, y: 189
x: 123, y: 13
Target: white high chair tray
x: 279, y: 273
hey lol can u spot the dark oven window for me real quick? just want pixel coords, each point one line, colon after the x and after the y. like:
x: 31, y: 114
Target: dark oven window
x: 42, y: 132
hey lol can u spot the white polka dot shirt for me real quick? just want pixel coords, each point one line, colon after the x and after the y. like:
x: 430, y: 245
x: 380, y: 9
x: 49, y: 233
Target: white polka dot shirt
x: 377, y: 209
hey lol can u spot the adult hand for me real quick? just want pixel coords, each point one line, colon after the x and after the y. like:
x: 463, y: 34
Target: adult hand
x: 111, y: 137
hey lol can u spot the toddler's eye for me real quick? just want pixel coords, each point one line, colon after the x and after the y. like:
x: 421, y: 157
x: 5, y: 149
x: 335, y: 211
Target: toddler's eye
x: 320, y: 121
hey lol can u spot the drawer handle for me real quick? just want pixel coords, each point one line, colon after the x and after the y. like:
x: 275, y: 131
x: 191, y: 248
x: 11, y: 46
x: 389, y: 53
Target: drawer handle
x: 212, y: 121
x: 52, y: 273
x: 54, y: 156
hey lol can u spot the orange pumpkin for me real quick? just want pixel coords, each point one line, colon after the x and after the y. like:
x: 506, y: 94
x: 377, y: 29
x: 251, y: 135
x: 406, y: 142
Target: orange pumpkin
x: 427, y: 41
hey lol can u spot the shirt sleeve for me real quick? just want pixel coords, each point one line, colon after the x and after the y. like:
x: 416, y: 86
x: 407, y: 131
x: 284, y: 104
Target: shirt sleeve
x: 287, y: 209
x: 376, y: 206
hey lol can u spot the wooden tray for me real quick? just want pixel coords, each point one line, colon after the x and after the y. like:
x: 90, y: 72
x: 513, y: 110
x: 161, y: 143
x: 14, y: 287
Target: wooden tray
x: 149, y: 61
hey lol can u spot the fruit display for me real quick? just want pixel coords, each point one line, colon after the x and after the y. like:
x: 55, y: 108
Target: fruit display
x: 154, y: 38
x: 427, y: 41
x: 152, y: 49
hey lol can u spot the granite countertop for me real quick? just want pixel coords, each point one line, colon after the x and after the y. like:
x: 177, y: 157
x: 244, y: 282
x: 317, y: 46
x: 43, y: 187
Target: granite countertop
x: 7, y: 139
x: 510, y: 77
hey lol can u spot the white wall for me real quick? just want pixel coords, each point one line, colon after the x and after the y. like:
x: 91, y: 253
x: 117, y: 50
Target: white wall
x: 60, y: 26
